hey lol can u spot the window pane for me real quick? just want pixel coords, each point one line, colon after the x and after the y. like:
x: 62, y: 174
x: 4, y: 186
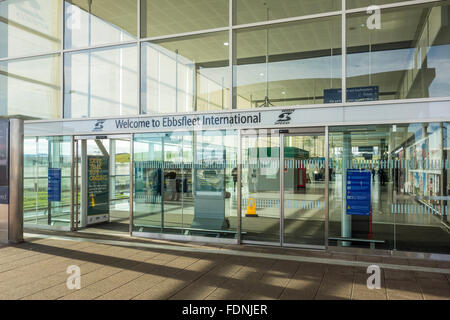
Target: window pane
x: 183, y: 183
x: 31, y: 87
x: 89, y: 23
x: 162, y: 17
x: 29, y: 27
x: 101, y: 82
x: 292, y: 64
x: 186, y: 74
x: 263, y: 10
x: 351, y: 4
x: 402, y: 203
x: 40, y: 155
x: 408, y: 57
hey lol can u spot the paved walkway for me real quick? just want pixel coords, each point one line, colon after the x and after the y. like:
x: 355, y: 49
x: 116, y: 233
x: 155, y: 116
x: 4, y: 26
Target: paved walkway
x: 37, y: 268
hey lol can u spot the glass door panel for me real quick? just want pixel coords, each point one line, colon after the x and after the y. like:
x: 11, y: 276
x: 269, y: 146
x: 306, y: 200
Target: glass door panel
x: 148, y: 183
x: 177, y: 174
x: 304, y: 189
x: 260, y: 186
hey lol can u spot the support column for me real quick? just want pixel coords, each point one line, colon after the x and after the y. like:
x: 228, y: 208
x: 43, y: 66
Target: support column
x: 11, y: 181
x: 112, y: 170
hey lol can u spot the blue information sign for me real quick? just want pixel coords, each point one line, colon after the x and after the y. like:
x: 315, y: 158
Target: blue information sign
x: 353, y: 94
x: 358, y: 192
x: 54, y: 184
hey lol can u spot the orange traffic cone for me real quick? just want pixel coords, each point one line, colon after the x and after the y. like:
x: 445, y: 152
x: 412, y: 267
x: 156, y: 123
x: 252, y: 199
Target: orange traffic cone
x: 92, y: 200
x: 251, y: 209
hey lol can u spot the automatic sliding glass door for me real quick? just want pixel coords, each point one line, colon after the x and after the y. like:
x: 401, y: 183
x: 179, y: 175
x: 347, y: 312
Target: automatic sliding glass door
x: 283, y: 204
x: 260, y: 185
x: 303, y: 209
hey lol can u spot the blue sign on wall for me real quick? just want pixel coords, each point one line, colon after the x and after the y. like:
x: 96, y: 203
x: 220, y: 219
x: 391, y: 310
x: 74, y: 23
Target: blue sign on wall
x: 353, y: 94
x: 54, y: 184
x: 358, y: 192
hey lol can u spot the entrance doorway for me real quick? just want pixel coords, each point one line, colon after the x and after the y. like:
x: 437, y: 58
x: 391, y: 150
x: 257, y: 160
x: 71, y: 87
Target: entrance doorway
x: 284, y: 187
x: 102, y: 167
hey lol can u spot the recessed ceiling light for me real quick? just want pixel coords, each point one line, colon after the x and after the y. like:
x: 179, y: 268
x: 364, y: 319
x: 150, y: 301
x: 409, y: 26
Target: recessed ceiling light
x: 261, y: 74
x: 284, y: 92
x: 225, y: 43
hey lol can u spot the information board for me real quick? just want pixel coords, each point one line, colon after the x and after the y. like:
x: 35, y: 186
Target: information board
x: 358, y: 192
x: 355, y: 94
x: 98, y: 189
x: 54, y: 184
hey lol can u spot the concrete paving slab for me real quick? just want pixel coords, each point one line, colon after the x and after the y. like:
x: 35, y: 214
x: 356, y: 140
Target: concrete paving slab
x: 37, y: 270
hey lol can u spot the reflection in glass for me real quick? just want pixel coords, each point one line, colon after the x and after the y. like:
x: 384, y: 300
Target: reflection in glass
x: 408, y: 57
x: 290, y: 64
x: 264, y: 10
x: 183, y: 183
x: 101, y: 82
x: 95, y: 22
x: 186, y: 74
x: 408, y: 169
x: 29, y: 27
x: 304, y: 190
x: 40, y: 155
x: 164, y: 17
x: 31, y: 87
x: 261, y: 186
x: 351, y: 4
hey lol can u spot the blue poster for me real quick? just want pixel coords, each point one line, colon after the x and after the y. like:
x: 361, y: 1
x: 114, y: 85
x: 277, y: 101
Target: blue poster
x: 54, y: 184
x: 358, y: 192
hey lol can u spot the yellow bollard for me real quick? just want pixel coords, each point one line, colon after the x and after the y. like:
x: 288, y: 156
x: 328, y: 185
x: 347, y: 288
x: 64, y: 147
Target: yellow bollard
x: 251, y: 209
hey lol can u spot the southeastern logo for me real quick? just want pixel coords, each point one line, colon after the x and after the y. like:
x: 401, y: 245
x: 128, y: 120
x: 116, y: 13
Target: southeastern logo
x: 284, y: 117
x: 99, y: 125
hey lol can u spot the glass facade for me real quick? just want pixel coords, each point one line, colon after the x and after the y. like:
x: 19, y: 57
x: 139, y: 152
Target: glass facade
x: 29, y: 27
x: 185, y: 183
x: 98, y: 59
x: 185, y: 75
x: 101, y: 82
x: 196, y: 56
x: 408, y: 170
x: 289, y: 64
x: 31, y: 87
x: 405, y: 58
x: 266, y: 10
x: 44, y: 157
x: 165, y: 17
x: 90, y: 23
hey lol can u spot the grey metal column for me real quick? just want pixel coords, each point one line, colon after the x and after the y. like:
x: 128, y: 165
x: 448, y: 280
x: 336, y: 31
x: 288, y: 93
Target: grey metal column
x: 327, y: 182
x: 131, y: 183
x: 84, y: 184
x: 72, y: 186
x: 16, y: 181
x: 239, y: 189
x: 77, y: 187
x: 112, y: 172
x: 281, y: 189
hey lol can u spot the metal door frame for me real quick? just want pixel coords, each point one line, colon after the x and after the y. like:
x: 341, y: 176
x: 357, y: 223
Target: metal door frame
x: 323, y: 131
x: 75, y: 174
x: 282, y: 133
